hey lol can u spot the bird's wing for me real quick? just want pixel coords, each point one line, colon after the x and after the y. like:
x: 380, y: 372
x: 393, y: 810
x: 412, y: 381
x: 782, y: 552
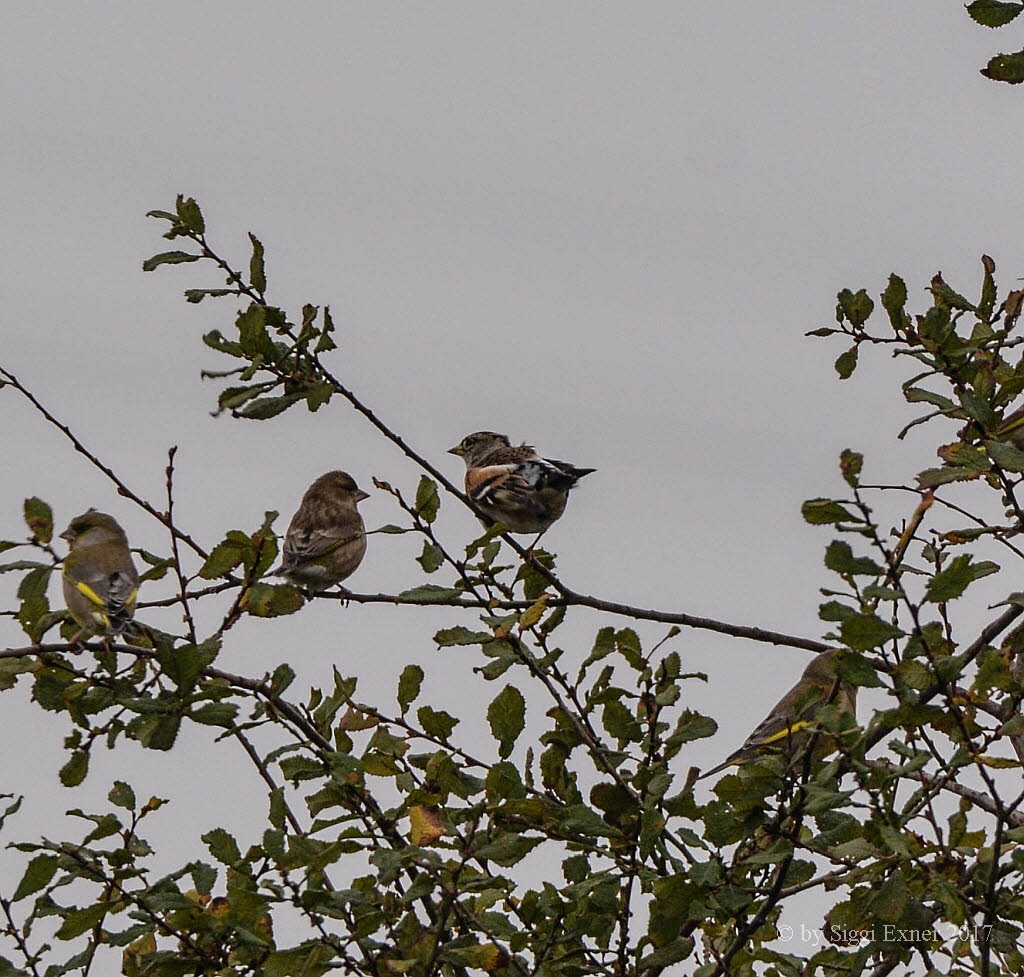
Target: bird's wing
x: 311, y: 543
x: 481, y: 482
x: 108, y: 589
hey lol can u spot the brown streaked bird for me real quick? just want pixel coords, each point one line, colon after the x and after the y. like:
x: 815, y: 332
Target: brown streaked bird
x: 326, y: 539
x: 99, y: 579
x: 513, y: 484
x: 788, y: 728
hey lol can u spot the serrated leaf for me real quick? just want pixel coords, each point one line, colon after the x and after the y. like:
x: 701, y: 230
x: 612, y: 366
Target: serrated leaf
x: 409, y: 684
x: 257, y: 267
x: 993, y: 13
x: 39, y: 519
x: 267, y: 407
x: 951, y: 582
x: 918, y: 395
x: 427, y: 499
x: 846, y: 363
x: 855, y: 307
x: 822, y: 512
x: 81, y: 921
x: 858, y: 670
x: 431, y: 558
x: 506, y: 715
x: 168, y: 258
x: 272, y: 600
x: 1006, y: 456
x: 459, y: 635
x: 74, y: 771
x: 934, y: 477
x: 38, y: 874
x: 436, y: 722
x: 196, y: 295
x: 222, y: 846
x: 428, y: 593
x: 894, y: 298
x: 426, y: 824
x: 862, y: 632
x: 122, y: 795
x: 189, y: 214
x: 839, y: 557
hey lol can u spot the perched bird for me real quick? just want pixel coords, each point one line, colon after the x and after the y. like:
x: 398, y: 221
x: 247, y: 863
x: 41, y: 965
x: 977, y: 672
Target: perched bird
x: 99, y: 578
x: 513, y: 484
x: 791, y: 723
x: 326, y: 538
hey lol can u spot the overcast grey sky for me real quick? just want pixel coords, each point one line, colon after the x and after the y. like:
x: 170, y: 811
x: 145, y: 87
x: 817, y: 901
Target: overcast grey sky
x: 602, y: 228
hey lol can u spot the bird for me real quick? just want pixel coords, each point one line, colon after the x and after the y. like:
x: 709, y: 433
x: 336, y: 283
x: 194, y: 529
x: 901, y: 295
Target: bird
x: 790, y: 724
x: 326, y: 539
x: 513, y: 484
x: 99, y: 578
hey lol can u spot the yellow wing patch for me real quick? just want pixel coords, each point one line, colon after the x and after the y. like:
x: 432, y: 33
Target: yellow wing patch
x: 788, y: 731
x: 90, y: 594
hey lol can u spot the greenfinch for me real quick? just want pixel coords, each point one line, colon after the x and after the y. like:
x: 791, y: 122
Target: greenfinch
x: 326, y: 539
x: 788, y: 728
x: 99, y: 578
x: 513, y: 484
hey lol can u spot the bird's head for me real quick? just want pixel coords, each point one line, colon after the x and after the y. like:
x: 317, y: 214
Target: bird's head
x: 93, y: 526
x: 473, y: 448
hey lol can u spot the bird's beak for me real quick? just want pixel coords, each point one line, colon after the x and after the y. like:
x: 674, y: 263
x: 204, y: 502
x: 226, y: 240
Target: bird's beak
x: 457, y: 450
x: 360, y: 495
x: 68, y: 535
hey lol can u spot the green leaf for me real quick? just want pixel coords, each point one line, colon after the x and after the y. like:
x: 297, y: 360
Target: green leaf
x: 267, y: 407
x: 432, y: 556
x: 427, y: 499
x: 508, y: 850
x: 272, y: 600
x: 226, y: 555
x: 39, y: 519
x: 222, y: 846
x: 34, y: 583
x: 81, y: 921
x: 196, y: 295
x: 168, y: 258
x: 979, y: 410
x: 312, y: 959
x: 894, y: 298
x: 822, y: 512
x: 850, y: 465
x: 459, y: 635
x: 865, y: 631
x: 38, y: 874
x: 73, y: 772
x: 428, y: 593
x: 215, y: 714
x: 846, y: 363
x: 506, y: 716
x: 580, y: 819
x: 409, y: 684
x: 918, y: 395
x: 934, y: 477
x: 122, y: 795
x: 436, y: 722
x: 189, y: 214
x: 858, y: 670
x: 950, y: 583
x: 948, y: 296
x: 839, y: 557
x: 993, y: 13
x: 1006, y: 456
x: 854, y: 307
x: 257, y: 268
